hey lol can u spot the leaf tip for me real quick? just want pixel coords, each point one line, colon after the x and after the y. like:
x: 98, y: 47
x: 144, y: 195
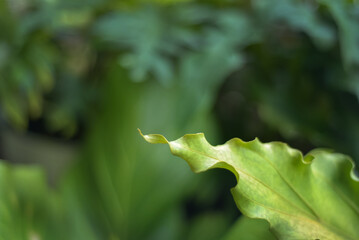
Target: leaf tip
x: 153, y: 138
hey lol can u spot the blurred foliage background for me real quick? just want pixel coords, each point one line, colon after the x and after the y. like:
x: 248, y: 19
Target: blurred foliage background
x: 78, y: 77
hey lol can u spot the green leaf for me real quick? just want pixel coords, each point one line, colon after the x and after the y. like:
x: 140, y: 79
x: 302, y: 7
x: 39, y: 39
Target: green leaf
x: 311, y: 197
x: 208, y: 226
x: 249, y: 229
x: 28, y: 208
x: 112, y: 178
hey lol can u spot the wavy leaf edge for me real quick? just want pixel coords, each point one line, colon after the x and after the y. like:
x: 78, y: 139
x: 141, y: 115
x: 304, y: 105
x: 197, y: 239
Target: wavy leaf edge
x: 307, y: 159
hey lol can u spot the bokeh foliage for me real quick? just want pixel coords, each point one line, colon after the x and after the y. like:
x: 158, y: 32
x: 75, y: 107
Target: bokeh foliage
x: 276, y: 69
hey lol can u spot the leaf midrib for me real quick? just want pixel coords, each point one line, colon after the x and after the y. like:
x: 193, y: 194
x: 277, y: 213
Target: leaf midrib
x: 332, y: 187
x: 288, y: 184
x: 337, y: 231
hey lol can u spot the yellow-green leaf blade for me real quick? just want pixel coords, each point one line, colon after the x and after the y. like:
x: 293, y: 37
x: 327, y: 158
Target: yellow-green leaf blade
x: 312, y: 197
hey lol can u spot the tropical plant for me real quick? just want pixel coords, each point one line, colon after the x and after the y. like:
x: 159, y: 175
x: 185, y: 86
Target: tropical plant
x: 314, y: 196
x: 276, y: 69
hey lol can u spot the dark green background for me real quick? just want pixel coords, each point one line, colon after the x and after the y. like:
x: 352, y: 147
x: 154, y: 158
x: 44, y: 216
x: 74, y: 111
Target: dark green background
x: 77, y: 78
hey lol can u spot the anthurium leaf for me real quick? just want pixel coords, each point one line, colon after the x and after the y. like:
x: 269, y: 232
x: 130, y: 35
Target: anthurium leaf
x: 311, y: 197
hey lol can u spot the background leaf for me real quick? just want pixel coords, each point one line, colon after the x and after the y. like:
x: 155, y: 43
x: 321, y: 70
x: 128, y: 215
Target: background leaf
x: 249, y: 229
x: 85, y: 74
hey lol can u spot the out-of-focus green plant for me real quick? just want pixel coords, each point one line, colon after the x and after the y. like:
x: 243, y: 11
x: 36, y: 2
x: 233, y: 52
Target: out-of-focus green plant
x: 154, y: 63
x: 41, y: 60
x: 121, y: 176
x: 28, y: 208
x: 31, y: 210
x: 26, y: 65
x: 302, y: 73
x: 154, y: 41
